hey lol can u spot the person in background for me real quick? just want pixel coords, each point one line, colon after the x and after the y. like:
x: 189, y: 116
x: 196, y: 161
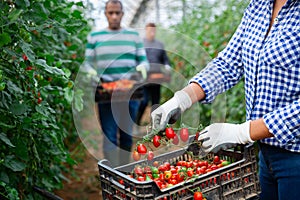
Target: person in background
x: 265, y: 50
x: 159, y: 62
x: 115, y: 52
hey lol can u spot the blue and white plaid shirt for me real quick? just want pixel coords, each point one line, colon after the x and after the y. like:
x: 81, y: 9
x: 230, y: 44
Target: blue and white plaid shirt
x: 271, y: 67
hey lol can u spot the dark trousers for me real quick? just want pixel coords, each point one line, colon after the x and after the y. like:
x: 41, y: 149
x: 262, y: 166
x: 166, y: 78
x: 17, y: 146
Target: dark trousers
x: 279, y: 173
x: 151, y: 93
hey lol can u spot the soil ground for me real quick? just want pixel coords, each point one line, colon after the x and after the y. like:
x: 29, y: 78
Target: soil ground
x: 85, y: 184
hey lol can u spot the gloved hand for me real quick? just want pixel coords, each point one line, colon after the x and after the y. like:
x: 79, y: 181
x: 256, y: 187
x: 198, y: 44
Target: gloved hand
x: 170, y: 111
x: 143, y: 69
x: 223, y: 135
x: 90, y: 72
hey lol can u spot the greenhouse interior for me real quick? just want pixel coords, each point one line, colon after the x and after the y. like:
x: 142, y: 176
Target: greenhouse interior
x: 93, y: 105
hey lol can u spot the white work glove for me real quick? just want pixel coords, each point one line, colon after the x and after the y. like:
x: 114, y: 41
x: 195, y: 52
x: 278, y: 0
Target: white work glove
x: 223, y: 135
x: 143, y: 69
x: 167, y: 68
x: 170, y: 111
x: 90, y: 72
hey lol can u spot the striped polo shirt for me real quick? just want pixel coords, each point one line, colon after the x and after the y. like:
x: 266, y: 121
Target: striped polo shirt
x: 115, y: 54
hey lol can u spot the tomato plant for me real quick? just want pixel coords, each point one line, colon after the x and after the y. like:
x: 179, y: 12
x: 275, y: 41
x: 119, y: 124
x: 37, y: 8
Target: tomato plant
x: 37, y: 131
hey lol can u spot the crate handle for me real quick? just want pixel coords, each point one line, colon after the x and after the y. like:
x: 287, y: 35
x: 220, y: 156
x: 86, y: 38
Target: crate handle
x: 117, y: 183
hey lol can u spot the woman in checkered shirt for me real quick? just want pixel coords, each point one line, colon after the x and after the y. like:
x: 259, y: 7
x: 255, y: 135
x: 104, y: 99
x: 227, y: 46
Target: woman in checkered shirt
x: 265, y: 50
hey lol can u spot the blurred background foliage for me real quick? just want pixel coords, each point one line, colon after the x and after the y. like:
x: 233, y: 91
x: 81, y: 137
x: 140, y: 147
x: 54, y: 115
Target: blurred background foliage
x: 208, y: 26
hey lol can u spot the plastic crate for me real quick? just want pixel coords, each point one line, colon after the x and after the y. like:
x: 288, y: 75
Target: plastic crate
x: 135, y: 93
x: 238, y: 180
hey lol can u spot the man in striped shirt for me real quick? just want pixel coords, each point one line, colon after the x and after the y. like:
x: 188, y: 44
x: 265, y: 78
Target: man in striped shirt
x: 116, y: 52
x: 265, y: 50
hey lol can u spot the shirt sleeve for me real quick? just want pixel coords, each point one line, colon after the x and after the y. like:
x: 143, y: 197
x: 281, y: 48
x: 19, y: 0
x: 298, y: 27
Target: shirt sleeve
x: 226, y: 69
x: 141, y: 56
x: 89, y: 65
x: 284, y: 123
x: 165, y: 56
x: 90, y: 52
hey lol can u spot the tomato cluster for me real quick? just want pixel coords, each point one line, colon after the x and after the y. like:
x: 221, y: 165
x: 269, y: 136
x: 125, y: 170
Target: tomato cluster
x: 166, y: 175
x: 165, y: 137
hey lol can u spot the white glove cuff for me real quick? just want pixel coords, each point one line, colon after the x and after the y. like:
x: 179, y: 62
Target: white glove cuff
x: 183, y: 99
x: 245, y: 136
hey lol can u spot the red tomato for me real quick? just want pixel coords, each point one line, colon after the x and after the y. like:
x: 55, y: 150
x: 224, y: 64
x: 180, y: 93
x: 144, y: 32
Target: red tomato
x: 39, y: 100
x: 136, y: 156
x: 180, y: 176
x: 168, y: 165
x: 150, y: 155
x: 161, y: 177
x: 141, y: 178
x: 29, y: 68
x: 156, y: 140
x: 173, y: 170
x: 141, y: 148
x: 175, y: 140
x: 182, y: 163
x: 121, y: 181
x: 147, y: 170
x: 198, y: 170
x: 170, y: 133
x: 190, y: 172
x: 173, y: 181
x: 184, y: 134
x: 189, y: 164
x: 158, y: 183
x: 24, y: 57
x: 198, y: 195
x: 162, y: 168
x: 214, y: 167
x: 216, y: 160
x: 138, y: 170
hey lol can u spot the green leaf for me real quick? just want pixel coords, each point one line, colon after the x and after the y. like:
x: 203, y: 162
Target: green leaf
x: 68, y: 94
x: 27, y: 51
x: 77, y: 14
x: 7, y: 125
x: 18, y: 108
x: 4, y: 138
x: 51, y: 70
x: 42, y: 110
x: 21, y: 149
x: 68, y: 73
x: 4, y: 177
x: 15, y: 14
x: 13, y: 88
x: 80, y: 4
x: 12, y: 163
x: 4, y: 39
x: 24, y: 3
x: 78, y: 101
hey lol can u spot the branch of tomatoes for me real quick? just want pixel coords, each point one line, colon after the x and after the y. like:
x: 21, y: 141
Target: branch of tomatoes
x: 171, y: 136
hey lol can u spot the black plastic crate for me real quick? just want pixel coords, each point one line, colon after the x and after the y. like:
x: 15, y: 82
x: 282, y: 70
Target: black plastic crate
x: 135, y: 93
x: 238, y: 180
